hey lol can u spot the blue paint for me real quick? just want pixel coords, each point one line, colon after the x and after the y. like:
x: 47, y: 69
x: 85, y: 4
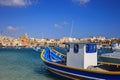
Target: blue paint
x: 52, y: 56
x: 91, y: 48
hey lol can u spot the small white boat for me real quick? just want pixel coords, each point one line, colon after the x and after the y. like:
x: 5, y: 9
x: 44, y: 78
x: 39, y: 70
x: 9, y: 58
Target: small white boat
x: 115, y: 46
x: 37, y: 49
x: 111, y: 57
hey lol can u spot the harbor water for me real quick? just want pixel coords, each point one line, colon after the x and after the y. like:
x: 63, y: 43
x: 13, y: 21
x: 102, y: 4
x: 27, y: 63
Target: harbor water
x: 22, y: 64
x: 25, y: 64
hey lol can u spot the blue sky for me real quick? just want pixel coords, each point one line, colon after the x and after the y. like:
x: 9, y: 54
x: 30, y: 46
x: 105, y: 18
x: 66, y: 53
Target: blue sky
x: 54, y: 18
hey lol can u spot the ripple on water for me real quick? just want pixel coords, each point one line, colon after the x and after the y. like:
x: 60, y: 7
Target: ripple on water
x: 23, y: 64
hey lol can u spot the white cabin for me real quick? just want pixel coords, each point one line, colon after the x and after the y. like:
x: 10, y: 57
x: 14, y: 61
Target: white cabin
x: 81, y: 55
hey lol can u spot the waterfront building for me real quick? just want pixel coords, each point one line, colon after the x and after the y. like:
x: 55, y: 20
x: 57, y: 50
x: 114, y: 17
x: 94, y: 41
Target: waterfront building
x: 24, y: 40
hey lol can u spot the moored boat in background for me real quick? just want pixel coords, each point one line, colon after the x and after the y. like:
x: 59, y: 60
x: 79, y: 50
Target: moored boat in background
x: 113, y: 57
x: 115, y: 46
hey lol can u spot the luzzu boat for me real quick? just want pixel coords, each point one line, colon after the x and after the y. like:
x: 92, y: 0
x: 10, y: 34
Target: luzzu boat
x: 79, y: 63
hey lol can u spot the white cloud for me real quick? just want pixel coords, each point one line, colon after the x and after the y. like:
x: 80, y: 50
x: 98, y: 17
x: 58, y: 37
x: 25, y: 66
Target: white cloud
x: 65, y: 23
x: 61, y: 25
x: 57, y: 26
x: 82, y: 1
x: 15, y: 2
x: 11, y: 28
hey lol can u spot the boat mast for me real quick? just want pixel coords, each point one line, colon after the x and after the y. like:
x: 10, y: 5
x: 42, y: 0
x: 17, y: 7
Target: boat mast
x: 71, y: 30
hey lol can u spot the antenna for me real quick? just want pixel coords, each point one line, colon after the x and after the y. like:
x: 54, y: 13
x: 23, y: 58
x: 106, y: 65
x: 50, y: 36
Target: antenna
x: 42, y: 35
x: 1, y: 32
x: 71, y: 30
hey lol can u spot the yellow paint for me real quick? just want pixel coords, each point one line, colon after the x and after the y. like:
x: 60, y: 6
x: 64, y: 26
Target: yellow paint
x: 109, y: 63
x: 80, y: 69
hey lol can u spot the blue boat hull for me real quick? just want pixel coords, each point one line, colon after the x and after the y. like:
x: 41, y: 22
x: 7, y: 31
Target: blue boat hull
x: 78, y: 74
x: 65, y: 76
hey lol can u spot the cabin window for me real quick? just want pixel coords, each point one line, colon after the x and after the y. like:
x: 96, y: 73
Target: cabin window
x: 67, y: 47
x: 76, y: 48
x: 90, y: 48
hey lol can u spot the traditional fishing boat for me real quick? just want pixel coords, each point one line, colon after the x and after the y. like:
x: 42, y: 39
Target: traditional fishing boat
x: 79, y: 63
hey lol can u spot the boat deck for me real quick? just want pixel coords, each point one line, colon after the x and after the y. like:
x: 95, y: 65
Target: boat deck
x: 105, y: 67
x: 102, y: 66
